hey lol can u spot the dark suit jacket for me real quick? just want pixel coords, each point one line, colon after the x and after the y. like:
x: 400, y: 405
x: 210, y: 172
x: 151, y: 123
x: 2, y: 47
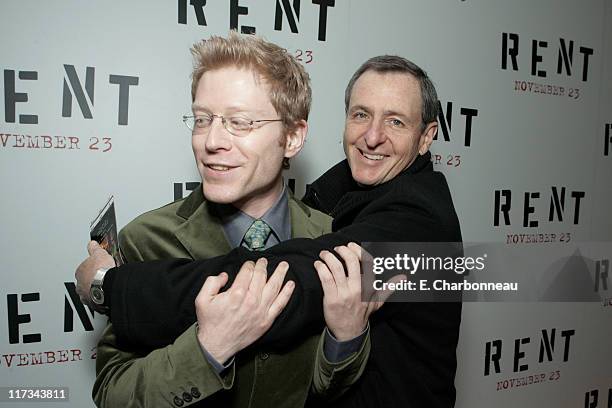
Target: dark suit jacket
x: 412, y: 362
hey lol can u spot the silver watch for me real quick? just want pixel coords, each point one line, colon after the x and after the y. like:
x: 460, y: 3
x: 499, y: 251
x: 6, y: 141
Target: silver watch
x: 96, y: 292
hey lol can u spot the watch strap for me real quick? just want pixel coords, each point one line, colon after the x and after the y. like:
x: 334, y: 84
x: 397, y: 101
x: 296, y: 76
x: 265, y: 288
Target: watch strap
x: 97, y: 291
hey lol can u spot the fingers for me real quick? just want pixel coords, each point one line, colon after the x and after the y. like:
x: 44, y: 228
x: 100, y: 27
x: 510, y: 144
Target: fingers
x: 273, y: 287
x: 85, y: 272
x: 336, y: 268
x: 79, y: 270
x: 380, y: 296
x: 260, y: 276
x: 351, y: 257
x: 212, y: 285
x: 357, y: 250
x: 92, y: 246
x: 367, y: 263
x: 100, y: 257
x: 330, y: 290
x: 383, y: 295
x: 281, y: 300
x: 241, y: 284
x: 82, y: 287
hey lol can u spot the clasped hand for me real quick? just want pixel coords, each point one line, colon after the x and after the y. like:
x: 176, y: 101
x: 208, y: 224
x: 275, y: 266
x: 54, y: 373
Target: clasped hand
x: 345, y: 308
x: 231, y: 320
x: 98, y: 258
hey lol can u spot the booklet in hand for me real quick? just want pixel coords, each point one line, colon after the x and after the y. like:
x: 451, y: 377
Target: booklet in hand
x: 103, y: 230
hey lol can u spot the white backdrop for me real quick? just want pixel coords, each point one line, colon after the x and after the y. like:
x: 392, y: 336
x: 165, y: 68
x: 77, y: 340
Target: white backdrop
x: 525, y: 137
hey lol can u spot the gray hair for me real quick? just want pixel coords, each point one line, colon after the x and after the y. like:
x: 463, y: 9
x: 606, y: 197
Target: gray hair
x: 396, y: 64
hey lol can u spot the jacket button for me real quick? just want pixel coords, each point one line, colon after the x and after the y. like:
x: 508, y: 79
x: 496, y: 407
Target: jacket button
x: 195, y: 392
x: 264, y: 356
x: 187, y: 397
x: 178, y: 401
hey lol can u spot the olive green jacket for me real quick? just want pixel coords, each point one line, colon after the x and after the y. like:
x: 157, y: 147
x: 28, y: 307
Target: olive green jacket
x: 179, y: 374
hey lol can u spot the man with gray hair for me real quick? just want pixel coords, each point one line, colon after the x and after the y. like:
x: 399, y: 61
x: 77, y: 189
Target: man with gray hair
x: 385, y: 191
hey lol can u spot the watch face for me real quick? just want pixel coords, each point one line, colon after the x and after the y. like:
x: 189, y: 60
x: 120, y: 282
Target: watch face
x: 97, y: 295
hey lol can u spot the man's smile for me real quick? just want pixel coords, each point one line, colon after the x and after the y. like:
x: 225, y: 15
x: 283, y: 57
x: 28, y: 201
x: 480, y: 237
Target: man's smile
x: 371, y: 156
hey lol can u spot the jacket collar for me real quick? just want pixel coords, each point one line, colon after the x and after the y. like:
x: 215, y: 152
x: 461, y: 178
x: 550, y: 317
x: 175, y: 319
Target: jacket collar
x: 202, y: 232
x: 329, y: 189
x: 340, y: 196
x: 302, y: 224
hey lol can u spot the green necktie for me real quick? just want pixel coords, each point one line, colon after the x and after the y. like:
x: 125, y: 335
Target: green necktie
x: 256, y: 236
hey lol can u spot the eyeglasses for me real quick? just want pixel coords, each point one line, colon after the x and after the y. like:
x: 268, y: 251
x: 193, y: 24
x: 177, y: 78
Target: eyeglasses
x: 236, y: 125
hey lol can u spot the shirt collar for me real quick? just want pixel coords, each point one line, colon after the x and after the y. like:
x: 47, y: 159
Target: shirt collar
x: 235, y: 223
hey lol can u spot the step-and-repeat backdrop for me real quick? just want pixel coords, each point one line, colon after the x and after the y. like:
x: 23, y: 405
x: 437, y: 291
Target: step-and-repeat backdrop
x: 92, y: 99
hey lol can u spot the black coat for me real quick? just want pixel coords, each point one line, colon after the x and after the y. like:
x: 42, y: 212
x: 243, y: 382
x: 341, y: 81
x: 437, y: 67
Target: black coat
x: 412, y: 362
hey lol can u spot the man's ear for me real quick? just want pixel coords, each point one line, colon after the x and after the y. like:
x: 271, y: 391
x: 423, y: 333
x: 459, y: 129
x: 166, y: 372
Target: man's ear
x: 427, y: 137
x: 295, y: 139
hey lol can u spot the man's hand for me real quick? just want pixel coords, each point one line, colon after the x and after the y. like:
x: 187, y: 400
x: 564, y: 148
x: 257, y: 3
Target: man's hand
x: 230, y: 321
x: 346, y: 315
x: 98, y: 258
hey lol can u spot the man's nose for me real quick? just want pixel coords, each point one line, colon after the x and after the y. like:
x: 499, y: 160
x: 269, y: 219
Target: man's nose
x: 375, y: 134
x: 218, y: 137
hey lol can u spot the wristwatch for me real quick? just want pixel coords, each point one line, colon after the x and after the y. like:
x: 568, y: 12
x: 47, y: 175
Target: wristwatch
x: 96, y: 291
